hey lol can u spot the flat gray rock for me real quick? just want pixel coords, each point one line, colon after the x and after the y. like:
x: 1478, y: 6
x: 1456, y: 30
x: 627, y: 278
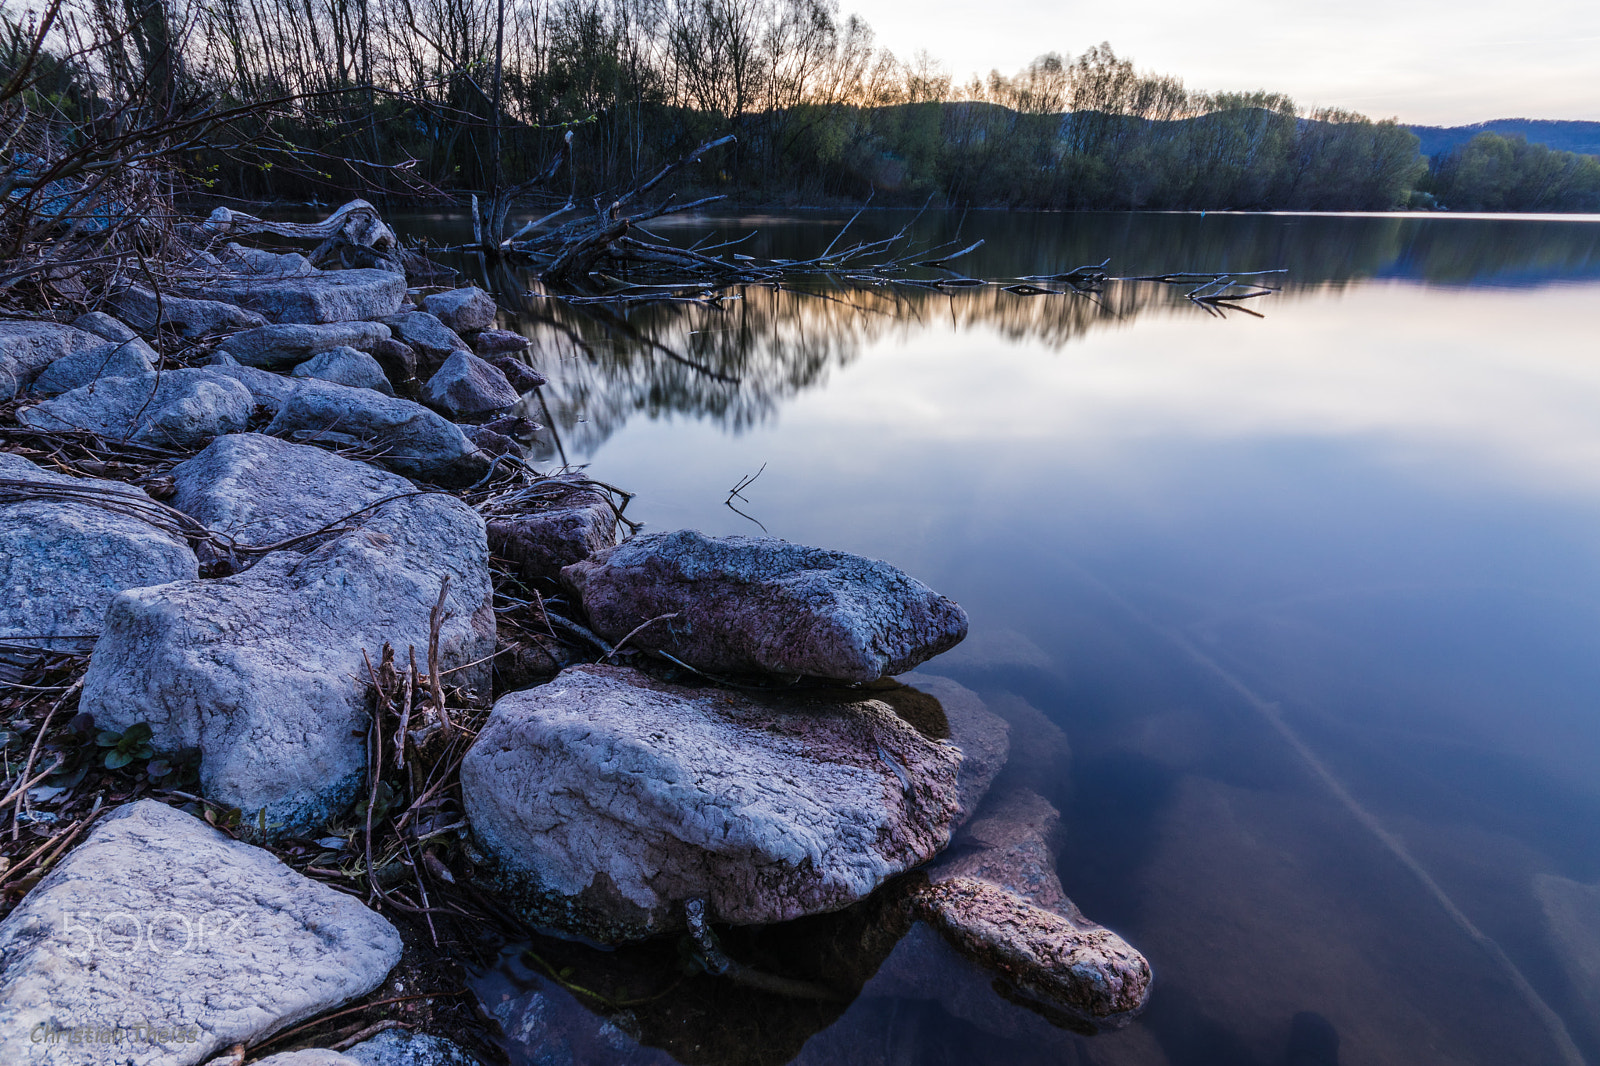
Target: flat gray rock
x: 407, y: 437
x: 607, y: 801
x: 173, y: 408
x: 346, y: 366
x: 283, y: 346
x: 264, y: 671
x: 467, y: 385
x: 465, y: 310
x: 323, y: 296
x: 261, y: 490
x: 113, y: 360
x: 398, y: 1047
x: 758, y: 604
x: 429, y: 337
x: 26, y: 348
x: 61, y: 562
x: 271, y: 264
x: 179, y: 940
x: 186, y: 316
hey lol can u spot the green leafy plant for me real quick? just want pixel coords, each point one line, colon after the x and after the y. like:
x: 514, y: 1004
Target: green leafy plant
x: 127, y: 746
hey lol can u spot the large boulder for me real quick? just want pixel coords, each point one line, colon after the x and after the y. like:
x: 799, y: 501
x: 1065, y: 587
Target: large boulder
x: 26, y: 348
x: 180, y: 408
x: 322, y: 296
x: 162, y: 937
x: 115, y: 360
x: 346, y: 366
x: 748, y: 604
x: 559, y: 521
x: 606, y: 801
x: 261, y: 490
x: 186, y: 316
x: 466, y: 310
x: 62, y: 560
x: 466, y: 385
x: 283, y: 346
x: 265, y: 671
x: 407, y: 437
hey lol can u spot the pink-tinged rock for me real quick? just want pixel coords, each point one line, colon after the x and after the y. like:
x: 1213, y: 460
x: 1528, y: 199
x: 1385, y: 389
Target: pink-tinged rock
x: 607, y: 800
x: 558, y: 522
x: 758, y: 604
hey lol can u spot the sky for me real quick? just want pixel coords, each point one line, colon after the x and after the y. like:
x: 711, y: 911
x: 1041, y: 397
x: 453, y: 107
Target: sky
x: 1426, y: 62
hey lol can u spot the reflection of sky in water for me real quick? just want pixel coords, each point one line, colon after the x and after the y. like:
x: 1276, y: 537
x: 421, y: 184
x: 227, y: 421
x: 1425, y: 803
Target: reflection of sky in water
x: 1377, y: 510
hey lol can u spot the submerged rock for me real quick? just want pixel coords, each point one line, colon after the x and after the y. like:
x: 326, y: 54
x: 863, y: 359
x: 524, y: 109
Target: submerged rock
x: 467, y: 385
x: 323, y: 296
x: 562, y: 521
x: 346, y: 366
x: 115, y: 360
x: 185, y: 942
x: 180, y: 408
x: 26, y: 348
x: 62, y: 561
x: 281, y: 347
x: 261, y: 490
x: 983, y: 736
x: 186, y: 316
x: 465, y: 310
x: 606, y: 801
x: 407, y: 437
x: 264, y: 671
x: 747, y: 604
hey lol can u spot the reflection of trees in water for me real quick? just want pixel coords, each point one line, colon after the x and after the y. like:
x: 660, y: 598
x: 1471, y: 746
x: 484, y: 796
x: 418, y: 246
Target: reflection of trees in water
x: 606, y: 364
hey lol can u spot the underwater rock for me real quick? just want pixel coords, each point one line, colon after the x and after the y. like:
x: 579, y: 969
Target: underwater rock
x: 265, y: 671
x: 185, y: 941
x: 758, y: 604
x: 607, y: 800
x: 983, y: 736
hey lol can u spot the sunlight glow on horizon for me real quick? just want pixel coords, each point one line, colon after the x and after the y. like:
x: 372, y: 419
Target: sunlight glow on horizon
x: 1425, y: 63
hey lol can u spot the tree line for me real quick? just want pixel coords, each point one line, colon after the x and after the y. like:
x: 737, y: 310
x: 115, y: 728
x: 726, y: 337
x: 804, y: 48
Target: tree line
x: 431, y: 98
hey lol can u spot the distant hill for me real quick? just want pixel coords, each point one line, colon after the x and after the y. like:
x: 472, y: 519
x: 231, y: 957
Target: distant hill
x: 1582, y: 137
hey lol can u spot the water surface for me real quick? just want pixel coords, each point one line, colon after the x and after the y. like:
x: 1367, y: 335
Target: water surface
x: 1315, y: 597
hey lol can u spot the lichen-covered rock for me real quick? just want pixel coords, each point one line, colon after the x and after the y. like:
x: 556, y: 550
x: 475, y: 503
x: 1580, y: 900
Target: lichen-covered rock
x: 498, y: 342
x: 180, y: 408
x: 401, y: 1047
x: 261, y: 490
x: 26, y: 348
x: 115, y: 360
x: 61, y: 561
x: 561, y: 521
x: 463, y: 310
x: 467, y: 385
x: 430, y: 338
x: 748, y: 604
x: 169, y: 942
x: 265, y: 671
x: 346, y: 366
x: 323, y: 296
x: 408, y: 438
x: 283, y: 346
x: 607, y: 800
x: 186, y: 316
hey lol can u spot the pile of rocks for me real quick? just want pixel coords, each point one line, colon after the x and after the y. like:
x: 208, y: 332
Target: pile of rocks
x: 607, y: 801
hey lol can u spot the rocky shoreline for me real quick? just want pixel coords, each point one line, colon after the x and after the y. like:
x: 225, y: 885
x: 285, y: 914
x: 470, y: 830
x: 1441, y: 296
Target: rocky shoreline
x: 300, y: 655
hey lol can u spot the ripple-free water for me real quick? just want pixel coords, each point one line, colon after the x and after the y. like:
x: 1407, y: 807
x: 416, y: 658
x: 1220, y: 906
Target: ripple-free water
x: 1315, y: 596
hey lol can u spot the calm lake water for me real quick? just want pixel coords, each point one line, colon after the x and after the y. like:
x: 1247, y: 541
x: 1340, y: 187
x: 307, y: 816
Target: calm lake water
x: 1314, y: 597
